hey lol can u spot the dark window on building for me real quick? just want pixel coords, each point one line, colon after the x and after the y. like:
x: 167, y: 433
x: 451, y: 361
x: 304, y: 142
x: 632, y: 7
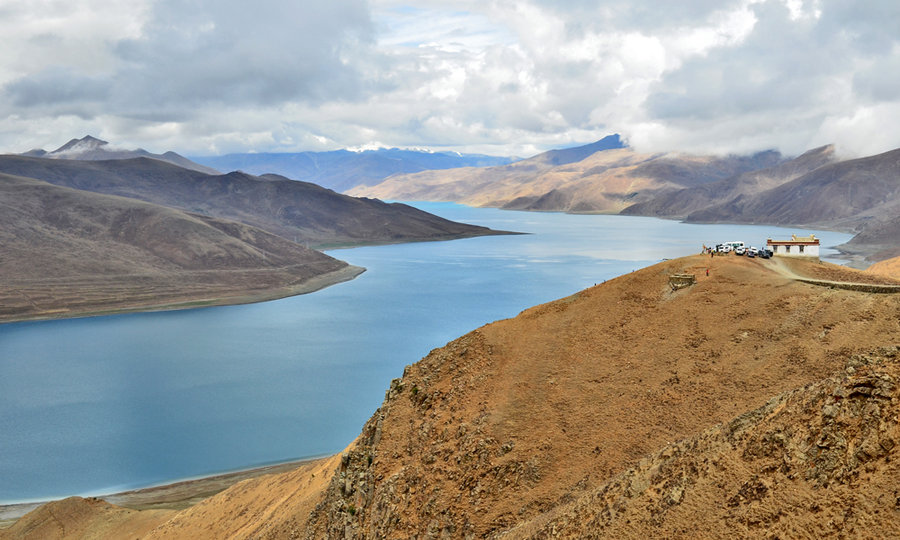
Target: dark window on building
x: 801, y: 249
x: 787, y: 249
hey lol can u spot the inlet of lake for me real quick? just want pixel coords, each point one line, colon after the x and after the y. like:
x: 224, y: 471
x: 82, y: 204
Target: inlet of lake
x: 104, y: 404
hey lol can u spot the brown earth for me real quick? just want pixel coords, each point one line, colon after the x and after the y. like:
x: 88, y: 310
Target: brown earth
x: 525, y: 420
x: 681, y: 203
x: 298, y: 211
x: 69, y: 252
x: 607, y: 181
x: 889, y: 268
x: 816, y: 462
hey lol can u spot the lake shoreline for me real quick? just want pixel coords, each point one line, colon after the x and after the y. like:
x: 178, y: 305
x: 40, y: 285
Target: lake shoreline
x: 562, y: 254
x: 176, y: 495
x: 237, y: 297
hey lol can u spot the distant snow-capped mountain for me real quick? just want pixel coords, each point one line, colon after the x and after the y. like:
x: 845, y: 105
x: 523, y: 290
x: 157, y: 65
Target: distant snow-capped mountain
x: 89, y: 148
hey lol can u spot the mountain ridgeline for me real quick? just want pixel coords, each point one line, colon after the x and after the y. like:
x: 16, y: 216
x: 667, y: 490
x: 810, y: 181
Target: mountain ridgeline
x: 815, y: 189
x: 109, y: 232
x: 343, y: 169
x: 298, y: 211
x: 90, y: 148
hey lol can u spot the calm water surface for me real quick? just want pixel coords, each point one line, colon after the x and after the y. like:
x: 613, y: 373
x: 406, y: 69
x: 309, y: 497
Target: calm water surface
x: 97, y: 405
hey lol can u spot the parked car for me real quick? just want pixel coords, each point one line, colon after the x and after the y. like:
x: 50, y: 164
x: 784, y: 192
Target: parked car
x: 740, y: 250
x: 752, y: 251
x: 750, y: 254
x: 763, y: 254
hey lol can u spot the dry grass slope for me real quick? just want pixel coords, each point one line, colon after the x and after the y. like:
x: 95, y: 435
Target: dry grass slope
x: 69, y: 252
x: 607, y: 400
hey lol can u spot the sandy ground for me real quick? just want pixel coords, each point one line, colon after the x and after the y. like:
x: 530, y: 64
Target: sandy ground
x: 175, y: 496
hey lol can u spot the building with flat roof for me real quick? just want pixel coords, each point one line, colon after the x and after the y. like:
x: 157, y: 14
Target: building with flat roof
x: 797, y: 246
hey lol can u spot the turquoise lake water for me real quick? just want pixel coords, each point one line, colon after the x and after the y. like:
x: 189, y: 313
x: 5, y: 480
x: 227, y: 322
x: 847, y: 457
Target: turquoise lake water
x: 97, y: 405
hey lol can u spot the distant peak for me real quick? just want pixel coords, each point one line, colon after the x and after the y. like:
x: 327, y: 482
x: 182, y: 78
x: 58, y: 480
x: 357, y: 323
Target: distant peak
x: 366, y: 147
x: 79, y: 145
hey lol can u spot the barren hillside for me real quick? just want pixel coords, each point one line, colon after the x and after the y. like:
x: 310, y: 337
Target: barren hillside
x: 681, y: 203
x: 69, y: 252
x: 524, y: 417
x: 888, y: 267
x: 596, y: 180
x: 296, y: 210
x: 848, y: 194
x: 815, y: 462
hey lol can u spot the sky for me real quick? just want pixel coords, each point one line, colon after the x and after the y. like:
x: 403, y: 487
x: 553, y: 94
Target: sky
x: 501, y: 77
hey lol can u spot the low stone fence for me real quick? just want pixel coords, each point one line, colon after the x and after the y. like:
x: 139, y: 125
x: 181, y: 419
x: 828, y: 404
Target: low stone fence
x: 862, y: 287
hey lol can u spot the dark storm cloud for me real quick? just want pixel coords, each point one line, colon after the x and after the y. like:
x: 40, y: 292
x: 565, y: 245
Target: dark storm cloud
x: 58, y: 87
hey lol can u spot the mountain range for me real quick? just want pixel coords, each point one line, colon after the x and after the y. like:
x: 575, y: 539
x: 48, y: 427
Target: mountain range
x: 91, y: 235
x: 815, y: 189
x: 343, y: 169
x: 603, y: 177
x: 89, y: 148
x: 298, y: 211
x: 73, y: 252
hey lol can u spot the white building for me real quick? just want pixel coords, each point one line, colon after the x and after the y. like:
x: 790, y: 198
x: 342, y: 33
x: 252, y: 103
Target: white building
x: 797, y: 246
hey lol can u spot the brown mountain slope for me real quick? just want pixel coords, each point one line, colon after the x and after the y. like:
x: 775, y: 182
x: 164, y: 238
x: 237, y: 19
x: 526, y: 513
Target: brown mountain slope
x: 887, y: 267
x: 68, y: 252
x: 878, y: 240
x: 859, y: 195
x: 848, y: 194
x: 604, y: 181
x: 817, y: 462
x: 527, y: 415
x: 295, y: 210
x: 76, y: 517
x: 681, y: 203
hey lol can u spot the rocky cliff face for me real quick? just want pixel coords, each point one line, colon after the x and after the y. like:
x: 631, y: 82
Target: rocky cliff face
x: 817, y: 462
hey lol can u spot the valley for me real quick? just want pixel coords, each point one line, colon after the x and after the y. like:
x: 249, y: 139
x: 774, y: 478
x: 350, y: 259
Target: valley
x: 817, y: 189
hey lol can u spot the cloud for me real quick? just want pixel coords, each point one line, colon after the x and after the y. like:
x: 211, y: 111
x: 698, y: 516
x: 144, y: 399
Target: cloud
x: 497, y: 76
x: 180, y: 62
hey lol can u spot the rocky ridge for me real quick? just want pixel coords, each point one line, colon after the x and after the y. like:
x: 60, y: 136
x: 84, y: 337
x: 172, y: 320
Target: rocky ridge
x: 815, y: 462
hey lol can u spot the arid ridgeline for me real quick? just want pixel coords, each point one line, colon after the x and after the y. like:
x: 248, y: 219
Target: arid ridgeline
x: 70, y: 252
x: 595, y: 415
x: 89, y: 237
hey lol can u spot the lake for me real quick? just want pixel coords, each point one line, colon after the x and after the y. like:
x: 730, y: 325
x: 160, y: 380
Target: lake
x: 104, y: 404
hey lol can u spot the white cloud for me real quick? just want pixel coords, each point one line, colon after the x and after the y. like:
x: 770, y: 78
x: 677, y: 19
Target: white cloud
x: 500, y: 76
